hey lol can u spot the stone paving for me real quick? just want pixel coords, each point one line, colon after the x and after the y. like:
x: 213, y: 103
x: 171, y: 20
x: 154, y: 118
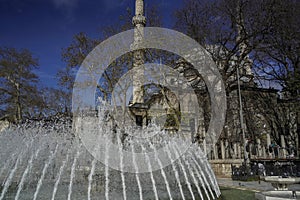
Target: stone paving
x: 251, y: 185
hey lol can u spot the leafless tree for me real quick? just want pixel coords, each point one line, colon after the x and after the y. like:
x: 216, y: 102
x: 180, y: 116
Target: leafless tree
x: 18, y: 84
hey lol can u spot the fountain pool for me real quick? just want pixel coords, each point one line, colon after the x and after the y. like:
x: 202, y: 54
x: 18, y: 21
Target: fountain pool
x: 40, y: 161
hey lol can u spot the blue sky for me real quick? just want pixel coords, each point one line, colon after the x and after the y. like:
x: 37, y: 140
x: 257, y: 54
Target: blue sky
x: 46, y: 26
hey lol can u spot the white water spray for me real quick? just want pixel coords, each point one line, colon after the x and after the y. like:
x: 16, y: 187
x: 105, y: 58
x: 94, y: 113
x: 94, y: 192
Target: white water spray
x: 44, y: 173
x: 61, y: 169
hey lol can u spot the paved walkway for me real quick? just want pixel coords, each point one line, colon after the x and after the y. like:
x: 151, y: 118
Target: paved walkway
x: 251, y: 185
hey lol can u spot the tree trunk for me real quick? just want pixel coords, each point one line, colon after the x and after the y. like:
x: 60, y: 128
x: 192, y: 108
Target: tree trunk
x: 18, y: 104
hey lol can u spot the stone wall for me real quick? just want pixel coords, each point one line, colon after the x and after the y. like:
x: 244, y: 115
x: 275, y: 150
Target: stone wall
x: 222, y: 168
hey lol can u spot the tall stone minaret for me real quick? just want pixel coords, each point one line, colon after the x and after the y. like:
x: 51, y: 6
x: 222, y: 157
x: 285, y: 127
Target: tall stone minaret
x: 139, y: 22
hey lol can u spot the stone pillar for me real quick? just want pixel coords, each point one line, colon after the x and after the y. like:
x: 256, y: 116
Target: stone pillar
x: 201, y: 127
x: 259, y: 149
x: 215, y: 151
x: 239, y: 151
x: 263, y: 149
x: 235, y: 151
x: 268, y: 144
x: 268, y: 139
x: 226, y: 149
x: 283, y: 150
x: 222, y: 149
x: 249, y: 154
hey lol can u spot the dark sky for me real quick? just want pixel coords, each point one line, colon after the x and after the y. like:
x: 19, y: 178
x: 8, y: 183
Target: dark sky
x: 46, y: 26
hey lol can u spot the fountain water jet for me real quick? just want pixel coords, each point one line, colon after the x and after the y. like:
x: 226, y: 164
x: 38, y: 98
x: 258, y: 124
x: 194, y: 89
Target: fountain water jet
x: 28, y: 168
x: 162, y: 170
x: 73, y: 174
x: 9, y: 179
x: 91, y: 178
x: 44, y: 172
x: 151, y: 174
x: 185, y: 174
x: 59, y: 176
x: 69, y: 171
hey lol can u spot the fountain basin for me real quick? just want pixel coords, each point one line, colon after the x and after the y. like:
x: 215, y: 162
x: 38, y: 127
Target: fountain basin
x: 280, y: 183
x: 278, y: 195
x: 50, y: 163
x: 281, y: 191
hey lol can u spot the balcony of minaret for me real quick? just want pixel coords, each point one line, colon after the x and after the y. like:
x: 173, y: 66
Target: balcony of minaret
x: 139, y: 20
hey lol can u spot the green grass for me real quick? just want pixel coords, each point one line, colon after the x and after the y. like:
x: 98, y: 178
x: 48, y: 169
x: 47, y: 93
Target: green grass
x: 236, y: 194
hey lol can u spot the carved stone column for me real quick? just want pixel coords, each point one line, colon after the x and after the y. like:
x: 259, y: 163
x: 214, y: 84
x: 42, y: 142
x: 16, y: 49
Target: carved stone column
x: 215, y: 152
x: 268, y: 144
x: 259, y: 149
x: 222, y: 149
x: 235, y: 151
x: 239, y: 151
x: 227, y: 149
x: 283, y: 146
